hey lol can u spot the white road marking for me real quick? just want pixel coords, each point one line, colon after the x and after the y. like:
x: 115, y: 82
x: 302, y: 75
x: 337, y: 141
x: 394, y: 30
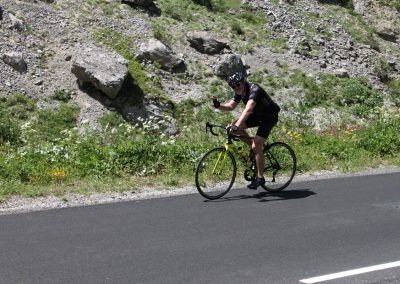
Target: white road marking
x: 350, y: 272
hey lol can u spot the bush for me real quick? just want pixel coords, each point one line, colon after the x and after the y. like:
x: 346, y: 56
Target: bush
x: 9, y: 129
x: 236, y: 27
x: 50, y: 123
x: 356, y: 94
x: 394, y: 90
x: 18, y: 105
x: 382, y: 70
x: 382, y: 137
x: 177, y: 9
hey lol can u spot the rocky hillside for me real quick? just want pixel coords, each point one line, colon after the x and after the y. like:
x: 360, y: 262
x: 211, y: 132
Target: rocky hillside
x: 140, y: 58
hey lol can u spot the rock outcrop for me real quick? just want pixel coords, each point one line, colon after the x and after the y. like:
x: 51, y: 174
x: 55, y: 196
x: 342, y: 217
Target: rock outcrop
x: 155, y: 51
x: 103, y: 69
x: 204, y: 42
x: 16, y: 61
x: 229, y: 64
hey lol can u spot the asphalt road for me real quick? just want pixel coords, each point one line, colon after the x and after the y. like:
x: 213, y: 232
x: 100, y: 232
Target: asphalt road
x: 311, y: 229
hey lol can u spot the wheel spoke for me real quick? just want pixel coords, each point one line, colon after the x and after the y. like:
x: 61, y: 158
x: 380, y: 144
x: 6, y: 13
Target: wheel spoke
x: 215, y: 173
x: 280, y: 166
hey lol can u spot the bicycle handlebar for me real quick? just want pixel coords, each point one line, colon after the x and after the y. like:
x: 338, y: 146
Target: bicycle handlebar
x: 235, y: 137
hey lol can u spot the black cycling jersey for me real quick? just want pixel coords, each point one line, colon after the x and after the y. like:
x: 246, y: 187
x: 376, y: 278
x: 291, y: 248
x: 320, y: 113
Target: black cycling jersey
x: 265, y: 106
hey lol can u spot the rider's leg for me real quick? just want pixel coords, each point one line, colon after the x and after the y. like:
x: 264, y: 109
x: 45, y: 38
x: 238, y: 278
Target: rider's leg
x: 258, y: 147
x: 242, y: 132
x: 262, y: 134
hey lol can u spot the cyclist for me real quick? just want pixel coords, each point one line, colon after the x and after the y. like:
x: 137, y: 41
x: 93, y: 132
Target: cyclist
x: 260, y: 111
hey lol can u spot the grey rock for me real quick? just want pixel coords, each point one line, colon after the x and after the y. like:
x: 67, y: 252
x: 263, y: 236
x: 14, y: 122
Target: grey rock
x: 16, y: 61
x: 361, y: 6
x: 156, y: 51
x: 229, y: 64
x: 386, y: 31
x: 105, y: 70
x: 204, y: 42
x: 341, y: 73
x: 16, y: 23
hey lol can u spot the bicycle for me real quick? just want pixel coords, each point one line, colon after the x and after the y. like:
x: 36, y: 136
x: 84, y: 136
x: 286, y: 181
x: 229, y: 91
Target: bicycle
x: 216, y: 170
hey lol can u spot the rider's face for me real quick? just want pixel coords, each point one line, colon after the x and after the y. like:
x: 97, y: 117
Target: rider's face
x: 239, y: 88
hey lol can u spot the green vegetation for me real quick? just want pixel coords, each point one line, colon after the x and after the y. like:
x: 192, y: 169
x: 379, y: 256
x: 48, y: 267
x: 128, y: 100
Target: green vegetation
x: 48, y: 155
x: 53, y: 158
x: 382, y: 69
x: 391, y: 3
x: 360, y: 31
x: 18, y: 106
x: 211, y: 15
x: 394, y: 87
x: 42, y: 152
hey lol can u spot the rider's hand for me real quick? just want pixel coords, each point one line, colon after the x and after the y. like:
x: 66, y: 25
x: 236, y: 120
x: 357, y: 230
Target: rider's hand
x: 232, y: 129
x: 216, y: 102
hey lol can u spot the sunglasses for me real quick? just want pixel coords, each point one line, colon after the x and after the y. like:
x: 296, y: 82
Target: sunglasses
x: 235, y: 86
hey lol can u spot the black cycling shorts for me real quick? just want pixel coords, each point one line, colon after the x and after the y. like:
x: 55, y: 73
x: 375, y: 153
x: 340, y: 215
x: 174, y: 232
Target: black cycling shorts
x: 264, y: 123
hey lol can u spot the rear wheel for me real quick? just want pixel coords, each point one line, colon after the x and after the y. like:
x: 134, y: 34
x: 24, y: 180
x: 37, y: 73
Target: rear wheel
x: 280, y: 166
x: 215, y: 173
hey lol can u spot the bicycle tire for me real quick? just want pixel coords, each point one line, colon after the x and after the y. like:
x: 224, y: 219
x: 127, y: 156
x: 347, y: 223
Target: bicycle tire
x: 212, y: 184
x: 280, y: 166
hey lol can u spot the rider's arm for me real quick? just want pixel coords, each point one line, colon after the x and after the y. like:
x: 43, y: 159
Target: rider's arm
x: 246, y: 113
x: 228, y: 106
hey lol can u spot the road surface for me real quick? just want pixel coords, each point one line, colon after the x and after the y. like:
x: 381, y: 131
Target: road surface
x: 344, y: 230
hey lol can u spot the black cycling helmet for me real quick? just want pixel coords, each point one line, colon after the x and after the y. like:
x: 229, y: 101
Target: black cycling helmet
x: 235, y: 78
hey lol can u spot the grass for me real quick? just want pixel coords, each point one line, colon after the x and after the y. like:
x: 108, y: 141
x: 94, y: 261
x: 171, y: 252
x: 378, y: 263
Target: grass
x: 60, y: 160
x: 42, y: 152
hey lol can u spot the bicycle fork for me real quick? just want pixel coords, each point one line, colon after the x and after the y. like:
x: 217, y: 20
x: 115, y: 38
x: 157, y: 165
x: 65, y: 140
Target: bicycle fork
x: 223, y: 156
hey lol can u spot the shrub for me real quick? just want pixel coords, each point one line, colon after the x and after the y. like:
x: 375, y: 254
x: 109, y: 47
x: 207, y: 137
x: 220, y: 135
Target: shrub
x: 50, y: 123
x: 18, y: 105
x: 382, y: 70
x: 356, y: 93
x: 177, y: 9
x: 61, y: 95
x: 9, y: 129
x: 394, y: 90
x: 382, y: 137
x: 236, y: 27
x: 391, y: 3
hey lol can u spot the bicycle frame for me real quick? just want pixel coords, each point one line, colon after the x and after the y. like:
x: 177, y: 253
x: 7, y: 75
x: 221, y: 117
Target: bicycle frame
x: 237, y: 151
x: 217, y: 169
x: 230, y: 147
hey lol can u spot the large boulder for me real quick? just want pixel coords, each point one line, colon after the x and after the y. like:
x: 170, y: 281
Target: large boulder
x: 229, y: 64
x: 155, y: 51
x: 16, y: 61
x: 103, y: 69
x: 204, y: 42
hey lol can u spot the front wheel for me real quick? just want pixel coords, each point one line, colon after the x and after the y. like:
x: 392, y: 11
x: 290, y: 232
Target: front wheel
x: 280, y: 166
x: 215, y: 173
